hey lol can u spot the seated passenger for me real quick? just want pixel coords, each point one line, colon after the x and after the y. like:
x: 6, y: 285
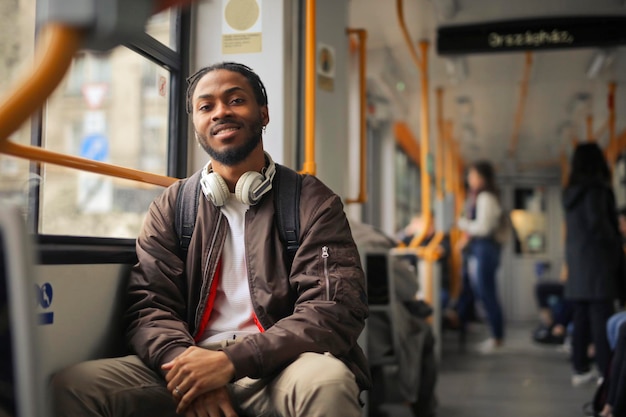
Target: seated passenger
x: 417, y: 373
x: 555, y: 313
x: 232, y: 328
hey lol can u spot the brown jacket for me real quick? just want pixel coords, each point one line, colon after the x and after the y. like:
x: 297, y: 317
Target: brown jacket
x: 167, y: 296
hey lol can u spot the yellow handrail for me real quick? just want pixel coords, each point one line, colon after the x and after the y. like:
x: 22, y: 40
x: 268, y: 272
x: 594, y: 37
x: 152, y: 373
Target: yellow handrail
x: 448, y: 162
x: 439, y: 149
x: 362, y: 35
x: 405, y: 33
x: 54, y: 58
x: 521, y: 105
x: 424, y: 147
x: 422, y: 66
x: 408, y: 143
x: 309, y: 166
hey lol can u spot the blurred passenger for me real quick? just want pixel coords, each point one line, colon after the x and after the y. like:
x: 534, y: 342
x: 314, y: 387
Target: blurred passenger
x: 482, y: 223
x: 417, y: 370
x: 555, y: 313
x: 594, y: 256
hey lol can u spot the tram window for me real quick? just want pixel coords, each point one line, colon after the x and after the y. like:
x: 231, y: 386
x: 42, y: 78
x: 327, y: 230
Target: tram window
x: 160, y: 27
x: 407, y: 189
x: 17, y: 39
x: 87, y: 204
x: 120, y: 116
x: 529, y: 220
x: 113, y: 106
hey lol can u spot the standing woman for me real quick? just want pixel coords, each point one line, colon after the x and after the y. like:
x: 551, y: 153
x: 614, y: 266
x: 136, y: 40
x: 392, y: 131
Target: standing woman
x: 481, y: 223
x: 593, y: 252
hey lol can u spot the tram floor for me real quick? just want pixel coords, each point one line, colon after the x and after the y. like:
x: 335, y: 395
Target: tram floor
x: 525, y: 379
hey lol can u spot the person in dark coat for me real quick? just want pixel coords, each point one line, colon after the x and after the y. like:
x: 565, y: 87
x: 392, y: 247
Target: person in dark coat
x: 593, y: 252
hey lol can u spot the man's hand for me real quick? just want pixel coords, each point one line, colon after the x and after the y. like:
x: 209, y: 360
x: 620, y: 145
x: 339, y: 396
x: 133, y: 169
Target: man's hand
x: 214, y: 403
x: 197, y: 371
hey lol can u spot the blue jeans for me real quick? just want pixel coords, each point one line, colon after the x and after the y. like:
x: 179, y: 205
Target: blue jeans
x: 479, y: 281
x: 612, y: 328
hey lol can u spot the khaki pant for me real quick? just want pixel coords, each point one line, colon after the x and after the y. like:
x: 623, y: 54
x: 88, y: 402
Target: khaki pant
x: 313, y: 385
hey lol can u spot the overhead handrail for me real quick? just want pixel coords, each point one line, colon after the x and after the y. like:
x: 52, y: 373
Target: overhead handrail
x: 405, y: 33
x: 310, y: 99
x: 362, y: 35
x: 521, y: 104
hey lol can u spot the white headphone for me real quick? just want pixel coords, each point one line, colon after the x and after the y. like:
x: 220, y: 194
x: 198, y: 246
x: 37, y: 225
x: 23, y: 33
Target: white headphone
x: 250, y: 187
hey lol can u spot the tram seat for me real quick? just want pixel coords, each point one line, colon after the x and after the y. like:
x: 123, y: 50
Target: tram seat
x: 85, y: 313
x: 382, y: 298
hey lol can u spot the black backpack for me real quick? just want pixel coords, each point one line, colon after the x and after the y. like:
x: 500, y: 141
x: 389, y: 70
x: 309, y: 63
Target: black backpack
x: 287, y: 184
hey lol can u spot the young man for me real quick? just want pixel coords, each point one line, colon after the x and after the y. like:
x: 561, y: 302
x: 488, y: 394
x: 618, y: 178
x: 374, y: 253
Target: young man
x: 227, y: 330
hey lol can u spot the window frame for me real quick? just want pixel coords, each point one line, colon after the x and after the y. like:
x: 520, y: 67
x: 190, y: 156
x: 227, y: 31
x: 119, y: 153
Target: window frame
x: 177, y: 62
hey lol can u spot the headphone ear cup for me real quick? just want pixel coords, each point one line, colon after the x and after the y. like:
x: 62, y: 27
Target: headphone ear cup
x: 215, y: 189
x: 247, y: 183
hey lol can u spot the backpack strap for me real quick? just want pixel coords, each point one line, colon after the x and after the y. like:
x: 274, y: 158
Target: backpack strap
x: 287, y: 186
x: 186, y: 210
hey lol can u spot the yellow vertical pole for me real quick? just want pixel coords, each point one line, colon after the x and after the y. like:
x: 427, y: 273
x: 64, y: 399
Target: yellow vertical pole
x: 362, y: 197
x: 439, y: 149
x: 309, y: 166
x: 448, y: 155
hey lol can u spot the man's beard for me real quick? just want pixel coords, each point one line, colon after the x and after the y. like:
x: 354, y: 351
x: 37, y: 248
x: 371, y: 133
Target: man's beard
x: 233, y: 156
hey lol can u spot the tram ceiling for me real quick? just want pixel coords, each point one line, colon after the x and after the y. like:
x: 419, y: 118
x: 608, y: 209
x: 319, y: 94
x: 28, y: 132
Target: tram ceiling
x: 490, y: 82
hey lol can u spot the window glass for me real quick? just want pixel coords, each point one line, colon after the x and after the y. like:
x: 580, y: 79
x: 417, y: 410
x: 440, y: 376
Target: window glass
x: 407, y: 179
x: 17, y: 29
x: 529, y: 220
x: 162, y: 27
x: 86, y: 204
x: 112, y: 107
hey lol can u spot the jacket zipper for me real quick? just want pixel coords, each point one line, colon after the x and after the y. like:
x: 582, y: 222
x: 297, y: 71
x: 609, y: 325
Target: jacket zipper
x: 325, y: 256
x: 206, y: 280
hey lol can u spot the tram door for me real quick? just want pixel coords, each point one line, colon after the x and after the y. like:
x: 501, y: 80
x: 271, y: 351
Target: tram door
x: 535, y: 248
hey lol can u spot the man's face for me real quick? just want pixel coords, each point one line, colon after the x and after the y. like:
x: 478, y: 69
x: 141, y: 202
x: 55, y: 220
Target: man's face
x: 227, y: 119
